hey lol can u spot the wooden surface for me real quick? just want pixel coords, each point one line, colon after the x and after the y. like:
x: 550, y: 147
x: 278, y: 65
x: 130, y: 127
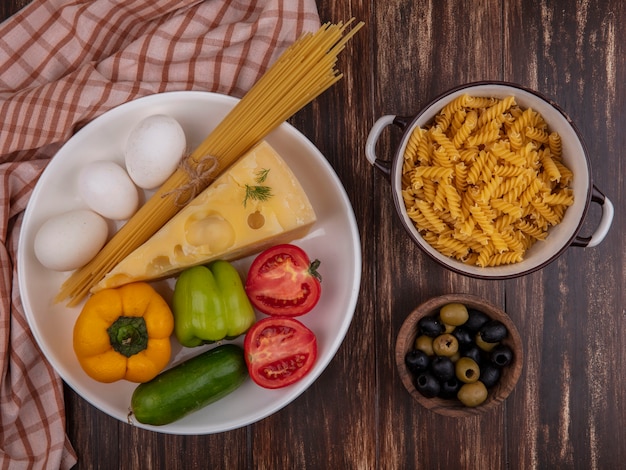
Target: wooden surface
x: 567, y: 410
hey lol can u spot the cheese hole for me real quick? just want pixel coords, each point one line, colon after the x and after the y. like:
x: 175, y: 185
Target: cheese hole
x: 158, y: 265
x: 178, y: 251
x: 256, y: 220
x: 212, y: 233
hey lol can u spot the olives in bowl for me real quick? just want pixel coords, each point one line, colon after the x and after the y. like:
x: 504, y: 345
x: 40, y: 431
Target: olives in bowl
x: 459, y: 355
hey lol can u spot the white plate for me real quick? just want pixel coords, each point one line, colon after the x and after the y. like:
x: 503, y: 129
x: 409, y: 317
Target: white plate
x: 334, y: 240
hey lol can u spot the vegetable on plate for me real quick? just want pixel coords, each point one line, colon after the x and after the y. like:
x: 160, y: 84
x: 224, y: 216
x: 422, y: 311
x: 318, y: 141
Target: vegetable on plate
x: 279, y: 351
x: 124, y: 333
x: 210, y: 304
x: 189, y: 386
x: 282, y: 280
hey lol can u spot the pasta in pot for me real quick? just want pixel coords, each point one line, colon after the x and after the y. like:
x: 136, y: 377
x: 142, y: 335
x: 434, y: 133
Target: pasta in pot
x: 485, y: 181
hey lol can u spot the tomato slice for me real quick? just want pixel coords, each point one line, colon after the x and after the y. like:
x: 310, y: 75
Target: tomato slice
x: 279, y: 351
x: 283, y: 281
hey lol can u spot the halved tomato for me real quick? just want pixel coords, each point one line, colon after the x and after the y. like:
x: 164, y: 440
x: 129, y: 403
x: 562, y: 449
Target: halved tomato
x: 279, y: 351
x: 283, y: 281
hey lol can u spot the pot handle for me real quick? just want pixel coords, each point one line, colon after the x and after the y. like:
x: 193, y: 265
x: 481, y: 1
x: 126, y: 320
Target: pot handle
x: 370, y: 146
x: 605, y: 221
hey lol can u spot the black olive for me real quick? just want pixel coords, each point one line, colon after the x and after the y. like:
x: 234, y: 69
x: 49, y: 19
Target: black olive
x: 427, y: 385
x: 476, y: 319
x: 416, y: 360
x: 463, y: 336
x: 442, y: 367
x: 493, y: 331
x: 484, y: 345
x: 450, y: 388
x: 475, y: 353
x: 430, y: 326
x: 501, y: 355
x: 490, y: 375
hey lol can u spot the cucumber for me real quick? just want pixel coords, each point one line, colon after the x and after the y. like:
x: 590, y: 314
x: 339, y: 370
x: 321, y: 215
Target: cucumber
x: 189, y: 386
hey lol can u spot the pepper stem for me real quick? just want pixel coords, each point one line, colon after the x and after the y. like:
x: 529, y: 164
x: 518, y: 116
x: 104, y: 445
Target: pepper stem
x: 128, y: 335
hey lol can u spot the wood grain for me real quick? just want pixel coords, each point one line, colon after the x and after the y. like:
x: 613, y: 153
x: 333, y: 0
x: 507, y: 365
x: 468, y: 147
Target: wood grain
x: 567, y: 408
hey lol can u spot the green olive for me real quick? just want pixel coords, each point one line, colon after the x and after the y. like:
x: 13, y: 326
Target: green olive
x: 472, y: 394
x: 445, y: 345
x: 424, y: 343
x: 482, y: 344
x: 448, y: 328
x: 467, y: 371
x: 454, y: 314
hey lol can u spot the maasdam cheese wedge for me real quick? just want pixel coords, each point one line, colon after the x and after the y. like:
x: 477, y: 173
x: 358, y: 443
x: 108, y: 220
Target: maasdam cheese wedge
x: 256, y: 203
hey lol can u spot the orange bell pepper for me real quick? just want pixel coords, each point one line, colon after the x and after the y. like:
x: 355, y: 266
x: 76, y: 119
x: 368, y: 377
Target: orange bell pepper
x: 124, y: 333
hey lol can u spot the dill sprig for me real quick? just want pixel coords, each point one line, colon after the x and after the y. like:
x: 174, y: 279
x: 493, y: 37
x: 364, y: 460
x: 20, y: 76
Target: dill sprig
x: 261, y: 175
x: 258, y: 192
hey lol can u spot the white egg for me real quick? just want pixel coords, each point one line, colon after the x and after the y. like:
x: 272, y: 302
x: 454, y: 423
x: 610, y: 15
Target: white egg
x: 70, y: 240
x: 107, y: 189
x: 154, y: 149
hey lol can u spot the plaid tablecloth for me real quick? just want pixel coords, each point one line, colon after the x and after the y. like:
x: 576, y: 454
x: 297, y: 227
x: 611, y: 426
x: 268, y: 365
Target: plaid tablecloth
x: 63, y: 63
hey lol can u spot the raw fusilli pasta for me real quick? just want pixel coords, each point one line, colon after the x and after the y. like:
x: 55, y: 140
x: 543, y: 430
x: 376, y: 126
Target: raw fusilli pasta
x: 485, y: 181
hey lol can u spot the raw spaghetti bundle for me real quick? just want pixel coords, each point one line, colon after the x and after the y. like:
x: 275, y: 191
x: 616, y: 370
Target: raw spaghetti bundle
x: 301, y: 73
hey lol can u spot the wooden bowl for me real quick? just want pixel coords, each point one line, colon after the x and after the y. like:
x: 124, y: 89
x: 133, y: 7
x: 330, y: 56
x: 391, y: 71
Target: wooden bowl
x: 452, y: 407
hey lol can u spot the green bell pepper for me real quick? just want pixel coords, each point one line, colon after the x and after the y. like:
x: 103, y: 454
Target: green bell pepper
x: 210, y: 304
